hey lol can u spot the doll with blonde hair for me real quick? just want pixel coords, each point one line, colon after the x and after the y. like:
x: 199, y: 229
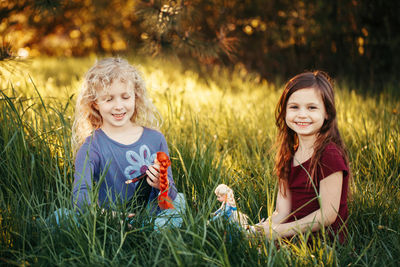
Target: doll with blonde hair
x: 228, y: 207
x: 114, y: 135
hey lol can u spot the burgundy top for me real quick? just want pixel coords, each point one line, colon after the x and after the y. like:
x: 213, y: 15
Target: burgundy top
x: 304, y: 198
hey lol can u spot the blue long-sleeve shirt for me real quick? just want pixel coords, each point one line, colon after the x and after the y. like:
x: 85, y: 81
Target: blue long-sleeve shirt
x: 100, y: 154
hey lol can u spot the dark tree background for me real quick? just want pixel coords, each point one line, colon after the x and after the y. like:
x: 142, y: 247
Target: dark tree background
x: 353, y: 39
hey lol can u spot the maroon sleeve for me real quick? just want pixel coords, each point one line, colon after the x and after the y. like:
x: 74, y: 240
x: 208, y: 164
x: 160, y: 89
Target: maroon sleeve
x: 332, y: 161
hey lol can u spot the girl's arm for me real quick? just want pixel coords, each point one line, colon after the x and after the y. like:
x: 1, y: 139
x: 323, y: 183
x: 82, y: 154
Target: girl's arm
x: 330, y: 194
x: 86, y: 163
x: 282, y: 208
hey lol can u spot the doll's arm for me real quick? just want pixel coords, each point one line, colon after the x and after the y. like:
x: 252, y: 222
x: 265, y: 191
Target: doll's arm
x: 218, y: 211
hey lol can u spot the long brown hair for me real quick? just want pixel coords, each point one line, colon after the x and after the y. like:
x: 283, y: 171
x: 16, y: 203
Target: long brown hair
x: 287, y: 141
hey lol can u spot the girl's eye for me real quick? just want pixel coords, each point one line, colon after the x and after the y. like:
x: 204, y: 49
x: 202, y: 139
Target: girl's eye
x: 108, y: 99
x: 292, y: 107
x: 126, y: 96
x: 312, y: 107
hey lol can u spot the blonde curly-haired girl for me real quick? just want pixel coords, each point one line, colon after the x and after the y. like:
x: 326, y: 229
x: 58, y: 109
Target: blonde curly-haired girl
x: 114, y: 134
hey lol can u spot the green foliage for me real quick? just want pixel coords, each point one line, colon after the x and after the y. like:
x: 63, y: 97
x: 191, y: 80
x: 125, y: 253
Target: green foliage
x: 218, y: 131
x: 356, y: 40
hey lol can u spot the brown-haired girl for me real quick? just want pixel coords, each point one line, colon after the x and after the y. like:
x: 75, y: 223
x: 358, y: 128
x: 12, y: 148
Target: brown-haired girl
x: 311, y: 164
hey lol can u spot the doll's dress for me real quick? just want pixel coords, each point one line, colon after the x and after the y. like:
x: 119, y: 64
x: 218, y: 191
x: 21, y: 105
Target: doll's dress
x: 226, y: 212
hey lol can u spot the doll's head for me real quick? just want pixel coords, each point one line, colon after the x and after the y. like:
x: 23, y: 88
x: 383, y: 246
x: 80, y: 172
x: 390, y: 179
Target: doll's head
x: 225, y: 194
x: 97, y: 82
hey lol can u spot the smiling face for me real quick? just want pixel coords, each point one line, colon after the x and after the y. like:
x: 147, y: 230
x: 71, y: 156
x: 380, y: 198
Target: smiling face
x: 305, y: 112
x: 116, y: 106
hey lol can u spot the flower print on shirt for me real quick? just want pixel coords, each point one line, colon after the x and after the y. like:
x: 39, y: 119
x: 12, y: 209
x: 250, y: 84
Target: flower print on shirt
x: 139, y: 163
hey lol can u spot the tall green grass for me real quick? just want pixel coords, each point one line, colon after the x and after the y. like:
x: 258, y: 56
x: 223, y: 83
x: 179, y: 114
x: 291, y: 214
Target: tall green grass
x: 219, y: 129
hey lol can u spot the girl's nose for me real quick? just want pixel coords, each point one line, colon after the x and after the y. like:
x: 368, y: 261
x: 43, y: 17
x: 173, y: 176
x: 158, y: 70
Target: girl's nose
x: 118, y: 104
x: 302, y: 113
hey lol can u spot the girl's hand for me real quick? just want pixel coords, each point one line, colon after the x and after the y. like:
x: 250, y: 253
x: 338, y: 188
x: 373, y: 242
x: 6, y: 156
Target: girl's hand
x: 266, y: 228
x: 270, y: 229
x: 153, y: 175
x: 259, y: 227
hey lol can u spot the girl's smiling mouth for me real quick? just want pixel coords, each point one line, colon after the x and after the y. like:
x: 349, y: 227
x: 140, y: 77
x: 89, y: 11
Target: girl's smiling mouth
x: 119, y: 115
x: 303, y: 123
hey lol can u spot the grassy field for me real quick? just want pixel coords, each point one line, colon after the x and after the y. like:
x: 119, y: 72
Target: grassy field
x: 220, y: 129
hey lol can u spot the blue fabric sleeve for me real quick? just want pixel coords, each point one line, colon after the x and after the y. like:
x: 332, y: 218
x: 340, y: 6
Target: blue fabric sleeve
x: 100, y: 154
x: 86, y: 164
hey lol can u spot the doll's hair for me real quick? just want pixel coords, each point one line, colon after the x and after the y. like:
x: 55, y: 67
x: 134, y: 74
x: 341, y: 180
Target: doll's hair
x: 224, y: 190
x: 241, y: 218
x: 287, y: 141
x: 97, y: 81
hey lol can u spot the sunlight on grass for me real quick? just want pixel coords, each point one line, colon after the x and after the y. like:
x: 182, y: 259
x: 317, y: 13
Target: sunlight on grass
x: 220, y: 129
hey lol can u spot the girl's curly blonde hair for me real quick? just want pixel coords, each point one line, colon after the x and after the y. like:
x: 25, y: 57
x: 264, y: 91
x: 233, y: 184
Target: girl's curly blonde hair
x: 98, y: 81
